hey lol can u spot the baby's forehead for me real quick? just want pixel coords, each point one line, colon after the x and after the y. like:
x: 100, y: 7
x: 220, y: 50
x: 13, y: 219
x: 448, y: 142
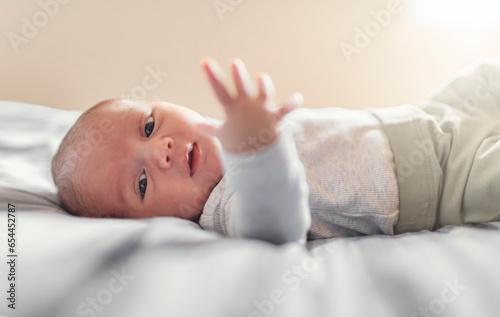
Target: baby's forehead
x: 105, y: 126
x: 111, y: 117
x: 118, y: 109
x: 102, y: 141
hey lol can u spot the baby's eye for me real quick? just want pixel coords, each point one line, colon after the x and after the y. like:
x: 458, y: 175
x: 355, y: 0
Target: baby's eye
x: 143, y: 183
x: 150, y: 126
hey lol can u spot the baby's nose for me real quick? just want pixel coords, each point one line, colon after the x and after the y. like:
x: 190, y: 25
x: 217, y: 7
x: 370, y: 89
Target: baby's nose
x: 163, y: 152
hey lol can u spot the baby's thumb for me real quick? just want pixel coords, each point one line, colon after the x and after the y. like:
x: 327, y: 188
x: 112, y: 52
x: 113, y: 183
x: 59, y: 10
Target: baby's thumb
x: 291, y: 104
x: 207, y: 128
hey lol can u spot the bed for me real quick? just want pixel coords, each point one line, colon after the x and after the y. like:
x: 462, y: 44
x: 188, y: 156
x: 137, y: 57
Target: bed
x: 71, y: 266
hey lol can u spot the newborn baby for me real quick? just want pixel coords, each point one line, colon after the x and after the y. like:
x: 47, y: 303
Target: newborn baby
x: 282, y: 174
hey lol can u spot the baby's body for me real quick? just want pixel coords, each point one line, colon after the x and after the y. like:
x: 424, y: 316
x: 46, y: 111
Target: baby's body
x: 332, y: 165
x: 322, y: 172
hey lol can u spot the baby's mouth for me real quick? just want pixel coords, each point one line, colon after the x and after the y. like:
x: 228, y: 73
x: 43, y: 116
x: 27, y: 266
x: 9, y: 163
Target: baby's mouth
x: 190, y: 161
x: 194, y: 159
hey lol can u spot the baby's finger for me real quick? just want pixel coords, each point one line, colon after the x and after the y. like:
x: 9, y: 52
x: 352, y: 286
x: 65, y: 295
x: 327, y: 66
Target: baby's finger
x: 291, y: 104
x: 266, y: 87
x: 216, y: 78
x: 242, y: 79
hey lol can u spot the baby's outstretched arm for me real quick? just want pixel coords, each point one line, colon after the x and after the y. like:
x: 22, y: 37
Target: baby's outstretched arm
x: 271, y: 193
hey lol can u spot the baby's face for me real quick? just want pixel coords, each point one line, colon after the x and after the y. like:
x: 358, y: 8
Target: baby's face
x: 152, y: 161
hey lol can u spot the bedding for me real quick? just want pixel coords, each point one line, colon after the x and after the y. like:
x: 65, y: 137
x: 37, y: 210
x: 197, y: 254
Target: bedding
x: 72, y: 266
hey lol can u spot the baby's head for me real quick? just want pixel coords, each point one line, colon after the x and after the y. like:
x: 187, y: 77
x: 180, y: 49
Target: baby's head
x: 137, y: 159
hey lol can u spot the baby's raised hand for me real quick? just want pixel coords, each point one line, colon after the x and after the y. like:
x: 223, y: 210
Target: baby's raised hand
x: 251, y: 119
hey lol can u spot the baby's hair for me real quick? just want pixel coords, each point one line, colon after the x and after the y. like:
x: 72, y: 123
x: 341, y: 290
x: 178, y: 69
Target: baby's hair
x: 68, y: 159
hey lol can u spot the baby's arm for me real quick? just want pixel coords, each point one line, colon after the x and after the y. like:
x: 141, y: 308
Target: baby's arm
x: 271, y: 194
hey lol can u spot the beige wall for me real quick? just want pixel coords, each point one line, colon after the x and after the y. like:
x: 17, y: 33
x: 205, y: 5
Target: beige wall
x: 90, y: 50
